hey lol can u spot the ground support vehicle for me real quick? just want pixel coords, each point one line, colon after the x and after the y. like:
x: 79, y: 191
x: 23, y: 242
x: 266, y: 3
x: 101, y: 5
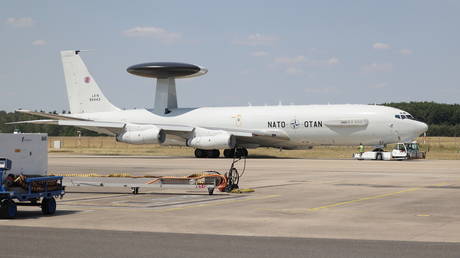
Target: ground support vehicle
x: 402, y: 151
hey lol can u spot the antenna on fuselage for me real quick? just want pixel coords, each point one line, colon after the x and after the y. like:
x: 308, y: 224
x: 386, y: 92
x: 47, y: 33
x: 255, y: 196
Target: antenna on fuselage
x: 166, y: 73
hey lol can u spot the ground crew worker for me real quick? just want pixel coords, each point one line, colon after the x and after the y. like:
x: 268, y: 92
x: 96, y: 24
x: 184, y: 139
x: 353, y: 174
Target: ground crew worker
x: 361, y: 149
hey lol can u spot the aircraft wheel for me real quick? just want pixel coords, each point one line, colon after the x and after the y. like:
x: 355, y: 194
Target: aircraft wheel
x: 241, y: 152
x: 228, y: 153
x: 379, y: 156
x: 211, y: 190
x: 213, y: 153
x: 199, y: 153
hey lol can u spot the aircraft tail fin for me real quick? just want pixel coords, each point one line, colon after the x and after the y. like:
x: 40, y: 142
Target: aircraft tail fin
x: 83, y: 93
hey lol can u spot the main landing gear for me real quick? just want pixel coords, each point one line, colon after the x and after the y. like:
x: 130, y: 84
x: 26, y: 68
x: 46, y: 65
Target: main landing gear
x: 236, y: 153
x: 228, y: 153
x: 199, y: 153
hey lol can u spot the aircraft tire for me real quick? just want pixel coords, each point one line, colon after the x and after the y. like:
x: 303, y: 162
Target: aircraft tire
x: 379, y: 156
x: 244, y: 152
x: 241, y: 152
x: 213, y: 153
x: 228, y: 153
x: 199, y: 153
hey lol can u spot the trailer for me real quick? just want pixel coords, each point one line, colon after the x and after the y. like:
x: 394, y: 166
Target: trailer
x: 402, y: 151
x: 206, y: 180
x: 24, y: 179
x: 27, y: 191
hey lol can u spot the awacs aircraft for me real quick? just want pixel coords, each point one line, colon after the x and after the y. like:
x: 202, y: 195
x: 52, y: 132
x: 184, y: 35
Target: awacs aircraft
x: 234, y: 129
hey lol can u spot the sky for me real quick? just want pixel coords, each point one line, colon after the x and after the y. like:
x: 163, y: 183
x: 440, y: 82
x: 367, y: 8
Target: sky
x: 257, y: 52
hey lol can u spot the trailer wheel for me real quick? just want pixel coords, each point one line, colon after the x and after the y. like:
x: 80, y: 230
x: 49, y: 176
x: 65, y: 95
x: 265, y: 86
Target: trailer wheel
x: 8, y: 209
x: 134, y: 190
x: 48, y: 206
x: 211, y: 190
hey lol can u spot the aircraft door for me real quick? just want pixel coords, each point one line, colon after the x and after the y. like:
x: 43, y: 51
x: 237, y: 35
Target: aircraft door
x: 395, y: 131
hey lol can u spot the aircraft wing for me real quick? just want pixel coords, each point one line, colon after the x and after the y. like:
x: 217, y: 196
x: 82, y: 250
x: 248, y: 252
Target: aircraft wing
x: 109, y: 128
x: 261, y: 138
x: 243, y: 136
x: 49, y: 115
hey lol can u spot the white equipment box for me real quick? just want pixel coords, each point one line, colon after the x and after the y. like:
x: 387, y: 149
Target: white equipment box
x: 27, y: 151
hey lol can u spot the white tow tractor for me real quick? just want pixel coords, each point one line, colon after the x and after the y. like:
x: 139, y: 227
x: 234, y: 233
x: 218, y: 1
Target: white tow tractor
x: 402, y: 151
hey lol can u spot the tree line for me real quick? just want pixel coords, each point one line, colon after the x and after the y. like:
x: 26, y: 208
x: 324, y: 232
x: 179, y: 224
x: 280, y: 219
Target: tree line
x: 52, y: 130
x: 442, y: 119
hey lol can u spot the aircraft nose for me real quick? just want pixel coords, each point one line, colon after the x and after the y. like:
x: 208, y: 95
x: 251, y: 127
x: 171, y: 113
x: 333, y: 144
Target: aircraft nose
x: 421, y: 127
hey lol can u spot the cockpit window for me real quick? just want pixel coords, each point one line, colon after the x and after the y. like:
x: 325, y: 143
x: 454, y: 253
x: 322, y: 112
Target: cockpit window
x: 404, y: 115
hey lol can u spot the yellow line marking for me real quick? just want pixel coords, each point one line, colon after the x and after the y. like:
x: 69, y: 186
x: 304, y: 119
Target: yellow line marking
x: 373, y: 197
x: 364, y: 199
x: 423, y: 215
x: 441, y: 184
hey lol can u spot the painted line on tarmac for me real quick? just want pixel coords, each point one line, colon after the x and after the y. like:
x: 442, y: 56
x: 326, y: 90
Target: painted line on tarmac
x: 380, y: 196
x: 364, y: 199
x: 155, y: 209
x: 218, y: 203
x: 374, y: 197
x: 92, y: 197
x: 174, y: 201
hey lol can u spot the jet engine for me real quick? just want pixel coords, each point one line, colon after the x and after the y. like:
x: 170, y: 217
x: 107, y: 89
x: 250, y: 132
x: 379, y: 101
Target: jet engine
x: 211, y: 140
x: 141, y: 134
x: 220, y: 141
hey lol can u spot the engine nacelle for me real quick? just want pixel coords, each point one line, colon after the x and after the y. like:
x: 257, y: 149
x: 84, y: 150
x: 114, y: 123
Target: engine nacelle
x: 141, y: 134
x: 211, y: 142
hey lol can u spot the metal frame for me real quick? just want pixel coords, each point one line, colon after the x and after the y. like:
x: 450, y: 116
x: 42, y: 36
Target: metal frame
x: 162, y: 183
x: 29, y: 195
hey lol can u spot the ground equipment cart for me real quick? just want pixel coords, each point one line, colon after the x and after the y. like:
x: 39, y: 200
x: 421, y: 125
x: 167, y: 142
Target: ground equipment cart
x: 27, y: 191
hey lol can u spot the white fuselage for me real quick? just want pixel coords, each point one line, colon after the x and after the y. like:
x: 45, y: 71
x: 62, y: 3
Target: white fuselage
x: 306, y: 125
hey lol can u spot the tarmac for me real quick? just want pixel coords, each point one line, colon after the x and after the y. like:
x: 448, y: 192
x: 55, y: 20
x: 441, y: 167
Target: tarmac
x: 392, y: 204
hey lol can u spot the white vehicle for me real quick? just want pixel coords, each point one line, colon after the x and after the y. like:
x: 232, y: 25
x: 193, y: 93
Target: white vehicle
x: 408, y: 151
x: 234, y: 129
x: 402, y: 151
